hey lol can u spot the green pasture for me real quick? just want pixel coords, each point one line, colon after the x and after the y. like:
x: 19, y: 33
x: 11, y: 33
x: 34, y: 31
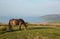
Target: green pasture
x: 31, y: 33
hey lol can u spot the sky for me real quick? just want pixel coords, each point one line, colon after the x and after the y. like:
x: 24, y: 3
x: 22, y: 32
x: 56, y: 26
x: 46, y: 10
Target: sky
x: 29, y: 8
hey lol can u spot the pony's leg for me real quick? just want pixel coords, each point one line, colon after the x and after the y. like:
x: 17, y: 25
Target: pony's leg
x: 20, y: 26
x: 10, y: 28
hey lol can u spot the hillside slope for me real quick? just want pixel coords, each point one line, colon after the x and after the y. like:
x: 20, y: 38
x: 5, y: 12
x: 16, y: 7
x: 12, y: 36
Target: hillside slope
x: 52, y: 18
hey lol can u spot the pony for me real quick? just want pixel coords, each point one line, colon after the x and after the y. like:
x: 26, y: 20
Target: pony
x: 14, y: 22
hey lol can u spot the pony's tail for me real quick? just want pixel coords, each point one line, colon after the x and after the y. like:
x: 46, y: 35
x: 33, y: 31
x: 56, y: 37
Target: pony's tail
x: 10, y: 27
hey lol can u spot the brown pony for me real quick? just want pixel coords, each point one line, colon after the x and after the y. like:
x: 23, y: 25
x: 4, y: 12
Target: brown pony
x: 14, y: 22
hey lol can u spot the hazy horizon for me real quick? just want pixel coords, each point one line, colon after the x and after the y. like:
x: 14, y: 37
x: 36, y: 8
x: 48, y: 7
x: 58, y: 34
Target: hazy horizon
x: 29, y: 8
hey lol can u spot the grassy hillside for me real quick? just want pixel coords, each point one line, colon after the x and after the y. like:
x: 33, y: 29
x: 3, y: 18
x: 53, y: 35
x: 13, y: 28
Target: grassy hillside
x: 32, y: 33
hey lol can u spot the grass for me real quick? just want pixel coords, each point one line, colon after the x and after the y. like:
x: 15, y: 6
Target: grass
x: 32, y: 33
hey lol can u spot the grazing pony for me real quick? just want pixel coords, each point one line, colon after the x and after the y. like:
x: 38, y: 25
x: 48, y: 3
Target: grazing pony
x: 14, y: 22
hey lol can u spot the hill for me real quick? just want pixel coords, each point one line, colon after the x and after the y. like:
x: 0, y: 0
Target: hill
x: 51, y: 18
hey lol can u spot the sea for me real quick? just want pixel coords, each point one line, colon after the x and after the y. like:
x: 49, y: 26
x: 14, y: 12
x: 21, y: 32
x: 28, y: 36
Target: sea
x: 5, y: 19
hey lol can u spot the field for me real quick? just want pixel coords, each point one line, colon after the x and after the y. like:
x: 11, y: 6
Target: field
x: 33, y: 32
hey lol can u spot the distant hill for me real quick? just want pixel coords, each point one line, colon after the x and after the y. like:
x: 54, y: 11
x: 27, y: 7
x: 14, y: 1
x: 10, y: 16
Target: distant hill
x: 51, y: 18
